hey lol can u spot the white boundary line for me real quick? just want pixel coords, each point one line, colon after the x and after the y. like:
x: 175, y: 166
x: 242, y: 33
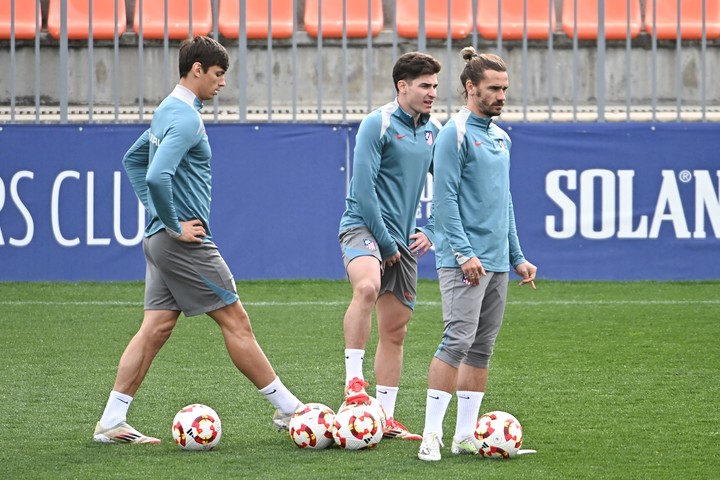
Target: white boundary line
x: 345, y: 303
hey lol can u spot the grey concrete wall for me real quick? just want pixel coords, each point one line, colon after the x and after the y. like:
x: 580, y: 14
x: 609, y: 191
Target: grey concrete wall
x: 256, y: 78
x: 570, y: 78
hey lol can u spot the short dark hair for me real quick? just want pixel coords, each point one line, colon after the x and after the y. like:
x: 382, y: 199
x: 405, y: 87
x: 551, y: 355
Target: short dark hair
x: 412, y: 65
x: 204, y: 50
x: 476, y: 64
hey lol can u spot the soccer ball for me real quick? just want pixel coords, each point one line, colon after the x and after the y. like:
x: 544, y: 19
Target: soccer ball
x: 311, y: 427
x: 358, y: 427
x: 197, y: 427
x: 500, y: 434
x: 372, y: 402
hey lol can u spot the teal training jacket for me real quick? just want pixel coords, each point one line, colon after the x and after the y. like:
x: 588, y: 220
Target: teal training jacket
x: 169, y: 165
x: 472, y: 204
x: 391, y: 161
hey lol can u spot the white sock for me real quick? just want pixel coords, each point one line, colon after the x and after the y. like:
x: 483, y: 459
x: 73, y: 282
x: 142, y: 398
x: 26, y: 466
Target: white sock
x: 387, y: 397
x: 281, y: 398
x: 354, y: 364
x: 116, y: 409
x: 436, y: 405
x: 467, y: 413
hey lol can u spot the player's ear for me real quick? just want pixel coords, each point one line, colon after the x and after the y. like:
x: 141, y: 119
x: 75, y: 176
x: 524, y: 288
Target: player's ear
x: 402, y: 86
x: 197, y: 69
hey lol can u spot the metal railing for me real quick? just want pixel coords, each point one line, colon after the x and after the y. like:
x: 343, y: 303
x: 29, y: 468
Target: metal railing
x: 320, y: 79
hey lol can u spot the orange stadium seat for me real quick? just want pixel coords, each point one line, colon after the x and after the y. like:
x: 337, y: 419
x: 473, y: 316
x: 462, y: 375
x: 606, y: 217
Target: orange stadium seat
x: 616, y: 19
x: 78, y: 19
x: 540, y: 19
x: 256, y: 18
x: 691, y: 17
x: 26, y: 19
x: 153, y: 19
x: 407, y: 18
x: 356, y: 18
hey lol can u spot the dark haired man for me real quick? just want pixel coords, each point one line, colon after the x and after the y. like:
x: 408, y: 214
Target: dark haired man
x: 169, y: 169
x: 378, y: 235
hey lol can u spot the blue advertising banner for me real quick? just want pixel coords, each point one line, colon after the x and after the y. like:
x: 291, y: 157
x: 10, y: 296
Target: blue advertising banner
x: 618, y: 201
x: 68, y: 212
x: 592, y: 201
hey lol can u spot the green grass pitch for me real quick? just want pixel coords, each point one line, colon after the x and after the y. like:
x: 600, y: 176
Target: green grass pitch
x: 609, y: 380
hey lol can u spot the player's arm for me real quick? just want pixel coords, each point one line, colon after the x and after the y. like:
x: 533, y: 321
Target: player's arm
x: 366, y: 165
x: 424, y: 236
x: 522, y: 267
x: 135, y: 163
x: 449, y: 159
x: 181, y: 135
x: 423, y: 239
x: 516, y: 254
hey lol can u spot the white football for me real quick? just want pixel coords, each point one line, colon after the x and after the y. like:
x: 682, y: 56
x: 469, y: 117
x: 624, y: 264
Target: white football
x: 311, y: 427
x: 373, y: 402
x: 500, y: 434
x: 197, y: 427
x: 358, y: 427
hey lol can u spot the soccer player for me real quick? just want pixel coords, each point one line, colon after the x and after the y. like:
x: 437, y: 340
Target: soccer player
x: 169, y: 169
x: 378, y: 236
x: 475, y: 243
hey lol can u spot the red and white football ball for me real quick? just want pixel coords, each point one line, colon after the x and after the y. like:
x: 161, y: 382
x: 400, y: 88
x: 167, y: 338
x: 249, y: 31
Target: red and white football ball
x: 500, y: 434
x: 197, y: 427
x: 358, y: 427
x: 372, y: 402
x: 311, y: 427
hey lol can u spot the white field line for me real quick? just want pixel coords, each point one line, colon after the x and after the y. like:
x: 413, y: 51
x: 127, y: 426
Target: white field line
x: 345, y: 303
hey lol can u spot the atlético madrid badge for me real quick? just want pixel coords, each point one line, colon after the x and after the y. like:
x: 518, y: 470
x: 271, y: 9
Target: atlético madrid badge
x: 369, y: 244
x: 429, y: 137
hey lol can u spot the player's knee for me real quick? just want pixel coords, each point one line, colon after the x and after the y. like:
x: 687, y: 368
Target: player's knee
x: 159, y: 335
x: 366, y: 292
x: 393, y: 332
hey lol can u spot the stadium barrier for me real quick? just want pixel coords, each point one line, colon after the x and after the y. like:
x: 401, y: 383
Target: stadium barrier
x: 613, y: 201
x: 329, y: 60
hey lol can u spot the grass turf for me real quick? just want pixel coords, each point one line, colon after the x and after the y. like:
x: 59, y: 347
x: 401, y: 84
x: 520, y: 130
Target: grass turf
x: 610, y: 380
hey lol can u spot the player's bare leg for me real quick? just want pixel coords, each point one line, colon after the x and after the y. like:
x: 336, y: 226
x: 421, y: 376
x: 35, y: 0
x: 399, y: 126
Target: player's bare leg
x: 473, y: 379
x: 442, y: 376
x: 134, y: 364
x: 392, y: 317
x: 364, y: 275
x: 249, y: 358
x: 241, y: 344
x: 156, y: 328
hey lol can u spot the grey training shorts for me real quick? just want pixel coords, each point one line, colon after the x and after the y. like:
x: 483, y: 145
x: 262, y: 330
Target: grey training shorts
x: 190, y: 277
x: 472, y: 315
x: 400, y: 279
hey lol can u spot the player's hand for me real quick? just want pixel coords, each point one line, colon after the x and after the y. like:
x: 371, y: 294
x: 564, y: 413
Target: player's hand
x: 473, y: 270
x: 419, y: 244
x: 192, y: 231
x: 527, y: 271
x: 390, y: 261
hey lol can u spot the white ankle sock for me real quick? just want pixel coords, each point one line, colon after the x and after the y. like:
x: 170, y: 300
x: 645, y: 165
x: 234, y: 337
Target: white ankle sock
x: 116, y: 409
x: 354, y: 364
x: 281, y: 398
x: 387, y: 397
x: 467, y: 413
x: 436, y: 405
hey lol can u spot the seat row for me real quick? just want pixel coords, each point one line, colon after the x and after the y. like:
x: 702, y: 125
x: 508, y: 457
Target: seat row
x: 516, y: 18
